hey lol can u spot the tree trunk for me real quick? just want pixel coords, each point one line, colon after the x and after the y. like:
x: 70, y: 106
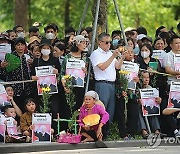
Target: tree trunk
x: 21, y: 13
x: 102, y: 15
x: 66, y: 14
x: 137, y: 20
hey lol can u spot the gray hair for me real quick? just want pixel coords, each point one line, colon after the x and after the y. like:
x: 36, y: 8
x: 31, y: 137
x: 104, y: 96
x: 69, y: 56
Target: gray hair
x: 102, y: 35
x: 92, y: 94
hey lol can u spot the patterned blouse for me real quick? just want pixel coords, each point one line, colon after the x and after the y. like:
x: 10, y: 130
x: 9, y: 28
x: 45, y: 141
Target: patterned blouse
x: 66, y: 58
x: 22, y: 73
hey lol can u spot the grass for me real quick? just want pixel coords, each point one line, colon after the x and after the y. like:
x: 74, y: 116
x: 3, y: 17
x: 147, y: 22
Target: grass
x: 114, y: 134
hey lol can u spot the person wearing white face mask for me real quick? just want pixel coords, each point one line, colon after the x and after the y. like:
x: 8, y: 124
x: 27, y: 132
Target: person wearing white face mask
x: 51, y: 31
x: 144, y: 61
x: 47, y: 59
x: 19, y: 31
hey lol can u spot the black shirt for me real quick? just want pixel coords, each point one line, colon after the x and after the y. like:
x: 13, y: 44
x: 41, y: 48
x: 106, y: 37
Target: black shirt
x: 52, y: 61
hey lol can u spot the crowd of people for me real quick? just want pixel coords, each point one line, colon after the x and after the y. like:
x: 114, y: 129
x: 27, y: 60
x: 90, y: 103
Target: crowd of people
x: 119, y: 105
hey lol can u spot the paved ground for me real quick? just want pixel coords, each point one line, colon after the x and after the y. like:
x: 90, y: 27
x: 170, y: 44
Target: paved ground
x: 140, y: 146
x: 123, y: 150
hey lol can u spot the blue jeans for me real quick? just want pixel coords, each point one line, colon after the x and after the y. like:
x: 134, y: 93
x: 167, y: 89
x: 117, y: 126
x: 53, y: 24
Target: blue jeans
x: 106, y: 92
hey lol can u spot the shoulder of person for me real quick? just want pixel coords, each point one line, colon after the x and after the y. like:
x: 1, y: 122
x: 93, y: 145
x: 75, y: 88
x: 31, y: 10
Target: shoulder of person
x: 99, y: 106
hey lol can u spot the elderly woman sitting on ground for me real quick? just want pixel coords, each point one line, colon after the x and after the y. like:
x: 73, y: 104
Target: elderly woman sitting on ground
x: 92, y: 118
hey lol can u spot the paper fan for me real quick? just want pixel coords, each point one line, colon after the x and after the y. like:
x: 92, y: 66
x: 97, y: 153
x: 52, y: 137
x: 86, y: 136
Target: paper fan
x: 13, y: 62
x: 91, y: 120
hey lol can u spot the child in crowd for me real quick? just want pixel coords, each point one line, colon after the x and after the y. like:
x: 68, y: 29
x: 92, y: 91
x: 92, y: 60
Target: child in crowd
x: 10, y: 95
x: 13, y: 130
x: 10, y: 112
x: 153, y: 120
x: 26, y: 118
x: 36, y: 52
x: 89, y: 107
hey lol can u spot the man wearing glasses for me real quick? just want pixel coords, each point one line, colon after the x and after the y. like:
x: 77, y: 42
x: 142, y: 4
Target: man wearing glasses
x: 104, y: 64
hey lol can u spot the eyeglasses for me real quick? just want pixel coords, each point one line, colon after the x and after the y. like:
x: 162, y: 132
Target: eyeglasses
x: 106, y: 42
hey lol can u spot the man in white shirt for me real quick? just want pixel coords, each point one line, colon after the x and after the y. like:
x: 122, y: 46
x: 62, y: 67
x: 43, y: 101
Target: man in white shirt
x: 104, y: 64
x: 170, y: 68
x: 169, y: 62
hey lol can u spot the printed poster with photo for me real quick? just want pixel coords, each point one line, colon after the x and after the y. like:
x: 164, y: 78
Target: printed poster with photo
x: 149, y: 106
x: 4, y: 48
x: 46, y: 79
x: 41, y: 127
x: 2, y: 128
x: 3, y: 97
x: 74, y: 69
x: 174, y: 95
x: 132, y: 70
x: 160, y: 55
x: 177, y: 63
x: 12, y: 129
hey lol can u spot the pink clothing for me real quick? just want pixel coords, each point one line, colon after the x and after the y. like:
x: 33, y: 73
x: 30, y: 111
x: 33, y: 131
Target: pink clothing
x: 97, y: 109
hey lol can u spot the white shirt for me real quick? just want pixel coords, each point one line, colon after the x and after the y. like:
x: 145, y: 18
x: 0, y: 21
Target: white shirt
x: 99, y: 56
x: 169, y: 61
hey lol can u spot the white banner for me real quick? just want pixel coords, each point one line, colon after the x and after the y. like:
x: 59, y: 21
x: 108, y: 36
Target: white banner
x: 41, y: 127
x: 132, y: 70
x: 174, y: 95
x: 149, y: 105
x: 160, y: 55
x: 74, y: 68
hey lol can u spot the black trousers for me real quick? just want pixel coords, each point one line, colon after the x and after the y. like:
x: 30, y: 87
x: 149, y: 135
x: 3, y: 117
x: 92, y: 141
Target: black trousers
x: 79, y: 97
x: 131, y: 125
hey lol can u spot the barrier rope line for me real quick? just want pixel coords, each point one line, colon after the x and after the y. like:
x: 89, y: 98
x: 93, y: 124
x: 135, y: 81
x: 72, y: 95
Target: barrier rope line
x: 14, y: 82
x: 160, y: 73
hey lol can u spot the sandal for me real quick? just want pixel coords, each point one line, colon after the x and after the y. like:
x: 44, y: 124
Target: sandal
x: 145, y: 134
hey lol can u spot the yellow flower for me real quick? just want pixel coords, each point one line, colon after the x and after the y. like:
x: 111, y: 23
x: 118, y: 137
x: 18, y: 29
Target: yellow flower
x: 47, y: 89
x: 124, y: 72
x: 156, y: 57
x: 67, y: 77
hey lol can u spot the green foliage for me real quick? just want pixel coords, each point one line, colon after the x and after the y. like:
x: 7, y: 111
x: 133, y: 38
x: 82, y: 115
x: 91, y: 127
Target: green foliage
x: 73, y: 118
x: 113, y: 132
x: 70, y: 101
x: 70, y: 95
x: 148, y: 13
x: 45, y: 100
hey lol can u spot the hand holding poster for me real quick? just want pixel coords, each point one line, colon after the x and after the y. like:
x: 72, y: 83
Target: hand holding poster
x: 177, y: 63
x: 174, y: 95
x: 11, y: 127
x: 149, y: 105
x: 74, y: 68
x: 132, y: 70
x: 46, y: 79
x: 41, y: 127
x: 160, y: 55
x: 3, y: 97
x: 4, y: 48
x: 2, y: 128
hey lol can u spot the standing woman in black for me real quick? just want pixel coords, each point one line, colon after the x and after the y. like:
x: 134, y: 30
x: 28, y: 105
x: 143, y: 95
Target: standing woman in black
x: 22, y: 73
x: 47, y: 59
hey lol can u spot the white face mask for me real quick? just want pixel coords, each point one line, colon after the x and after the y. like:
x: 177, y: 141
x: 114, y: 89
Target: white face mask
x: 50, y: 36
x: 45, y: 52
x: 144, y: 54
x: 21, y: 34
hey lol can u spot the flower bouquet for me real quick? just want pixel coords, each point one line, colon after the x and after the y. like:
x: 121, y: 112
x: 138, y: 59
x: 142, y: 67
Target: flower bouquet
x: 124, y: 87
x: 45, y: 100
x: 68, y: 137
